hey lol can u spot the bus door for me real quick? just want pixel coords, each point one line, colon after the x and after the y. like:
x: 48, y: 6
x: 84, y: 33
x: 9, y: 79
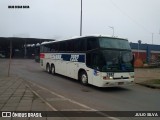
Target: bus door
x: 98, y: 64
x: 62, y: 66
x: 69, y: 66
x: 70, y: 69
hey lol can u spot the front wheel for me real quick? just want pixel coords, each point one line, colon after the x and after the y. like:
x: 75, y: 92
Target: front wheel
x: 84, y: 78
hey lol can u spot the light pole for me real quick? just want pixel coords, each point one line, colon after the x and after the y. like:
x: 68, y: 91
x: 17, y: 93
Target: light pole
x: 112, y: 29
x: 10, y: 56
x: 139, y: 42
x: 152, y: 37
x: 81, y: 20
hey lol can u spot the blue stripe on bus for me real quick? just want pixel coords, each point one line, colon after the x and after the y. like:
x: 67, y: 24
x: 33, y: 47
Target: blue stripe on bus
x: 69, y: 57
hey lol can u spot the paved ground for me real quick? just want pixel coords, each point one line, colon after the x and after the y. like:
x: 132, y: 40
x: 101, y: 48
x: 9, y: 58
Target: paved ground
x: 47, y: 87
x: 19, y: 95
x: 146, y: 77
x: 16, y: 96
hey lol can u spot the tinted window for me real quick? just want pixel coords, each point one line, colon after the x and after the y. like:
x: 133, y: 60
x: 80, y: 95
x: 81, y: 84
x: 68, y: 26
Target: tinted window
x: 117, y: 60
x: 95, y: 60
x: 47, y: 48
x: 70, y: 45
x: 53, y: 48
x: 110, y: 60
x: 79, y: 44
x: 56, y: 46
x: 50, y: 47
x: 41, y: 48
x: 88, y: 60
x: 114, y: 43
x: 62, y: 46
x: 92, y: 43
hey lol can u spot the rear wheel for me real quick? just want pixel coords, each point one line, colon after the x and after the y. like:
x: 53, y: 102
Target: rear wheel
x: 48, y: 68
x: 53, y: 69
x: 84, y: 78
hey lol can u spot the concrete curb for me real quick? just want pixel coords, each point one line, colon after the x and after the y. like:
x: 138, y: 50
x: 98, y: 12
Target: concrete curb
x: 149, y: 85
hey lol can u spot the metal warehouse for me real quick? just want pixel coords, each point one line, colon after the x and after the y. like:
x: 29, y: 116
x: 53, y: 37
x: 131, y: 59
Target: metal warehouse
x: 148, y: 53
x: 21, y: 47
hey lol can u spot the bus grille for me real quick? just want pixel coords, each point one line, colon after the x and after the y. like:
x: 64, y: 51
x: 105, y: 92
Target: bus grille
x: 120, y: 78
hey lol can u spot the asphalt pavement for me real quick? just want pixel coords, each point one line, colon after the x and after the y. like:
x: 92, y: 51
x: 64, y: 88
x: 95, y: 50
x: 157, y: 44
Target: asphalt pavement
x: 17, y: 94
x: 21, y: 99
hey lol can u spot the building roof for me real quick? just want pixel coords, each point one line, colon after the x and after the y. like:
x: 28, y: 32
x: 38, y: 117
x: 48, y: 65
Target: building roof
x: 145, y: 46
x: 5, y: 41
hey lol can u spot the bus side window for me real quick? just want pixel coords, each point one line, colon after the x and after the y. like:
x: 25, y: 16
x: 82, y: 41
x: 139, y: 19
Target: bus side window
x: 92, y: 43
x: 92, y: 60
x: 62, y: 46
x: 89, y: 59
x: 98, y: 61
x: 56, y: 46
x: 79, y: 45
x: 70, y: 45
x: 42, y: 48
x: 46, y: 48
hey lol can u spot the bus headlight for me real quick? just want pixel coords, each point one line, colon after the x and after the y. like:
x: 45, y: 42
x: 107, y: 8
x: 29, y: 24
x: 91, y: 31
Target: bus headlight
x: 131, y: 74
x: 107, y: 78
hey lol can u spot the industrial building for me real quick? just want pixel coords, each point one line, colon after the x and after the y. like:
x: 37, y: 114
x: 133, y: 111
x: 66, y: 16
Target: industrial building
x: 21, y: 47
x: 148, y: 53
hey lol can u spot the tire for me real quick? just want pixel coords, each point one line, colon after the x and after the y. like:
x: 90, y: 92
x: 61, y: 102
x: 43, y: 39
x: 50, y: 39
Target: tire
x: 84, y: 78
x: 52, y: 69
x: 48, y: 68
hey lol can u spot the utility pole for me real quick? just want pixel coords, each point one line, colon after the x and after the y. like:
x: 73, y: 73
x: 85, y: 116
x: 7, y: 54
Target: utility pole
x: 139, y: 42
x: 10, y: 56
x: 81, y: 20
x: 152, y: 37
x: 25, y: 49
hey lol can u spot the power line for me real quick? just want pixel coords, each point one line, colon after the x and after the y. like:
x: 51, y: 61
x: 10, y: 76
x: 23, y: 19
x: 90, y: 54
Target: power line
x: 133, y: 20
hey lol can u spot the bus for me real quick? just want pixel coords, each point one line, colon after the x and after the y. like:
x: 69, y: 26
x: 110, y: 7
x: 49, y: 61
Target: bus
x: 101, y: 61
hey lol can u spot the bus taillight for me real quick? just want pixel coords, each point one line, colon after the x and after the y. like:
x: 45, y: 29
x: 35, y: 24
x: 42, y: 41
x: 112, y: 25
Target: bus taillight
x: 42, y: 55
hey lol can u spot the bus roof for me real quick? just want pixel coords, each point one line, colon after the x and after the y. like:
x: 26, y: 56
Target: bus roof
x: 97, y: 35
x: 76, y: 37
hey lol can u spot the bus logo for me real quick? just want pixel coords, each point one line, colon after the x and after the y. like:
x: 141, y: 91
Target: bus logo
x: 57, y: 57
x: 74, y: 58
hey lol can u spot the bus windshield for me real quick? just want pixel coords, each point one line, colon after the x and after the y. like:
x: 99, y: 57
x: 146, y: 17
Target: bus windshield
x: 117, y: 60
x: 112, y: 61
x: 114, y: 43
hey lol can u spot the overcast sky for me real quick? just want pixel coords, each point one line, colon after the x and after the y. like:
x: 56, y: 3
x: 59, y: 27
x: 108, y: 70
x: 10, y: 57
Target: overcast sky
x: 132, y: 19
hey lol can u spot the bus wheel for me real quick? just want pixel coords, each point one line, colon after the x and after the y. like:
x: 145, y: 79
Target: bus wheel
x: 48, y: 68
x: 84, y: 78
x: 53, y: 69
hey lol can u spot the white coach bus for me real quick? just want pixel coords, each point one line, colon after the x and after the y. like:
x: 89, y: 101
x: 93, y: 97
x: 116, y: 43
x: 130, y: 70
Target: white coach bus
x: 97, y: 60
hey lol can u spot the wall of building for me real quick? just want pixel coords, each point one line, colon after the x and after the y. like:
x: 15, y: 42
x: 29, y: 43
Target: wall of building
x: 18, y: 45
x: 146, y: 52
